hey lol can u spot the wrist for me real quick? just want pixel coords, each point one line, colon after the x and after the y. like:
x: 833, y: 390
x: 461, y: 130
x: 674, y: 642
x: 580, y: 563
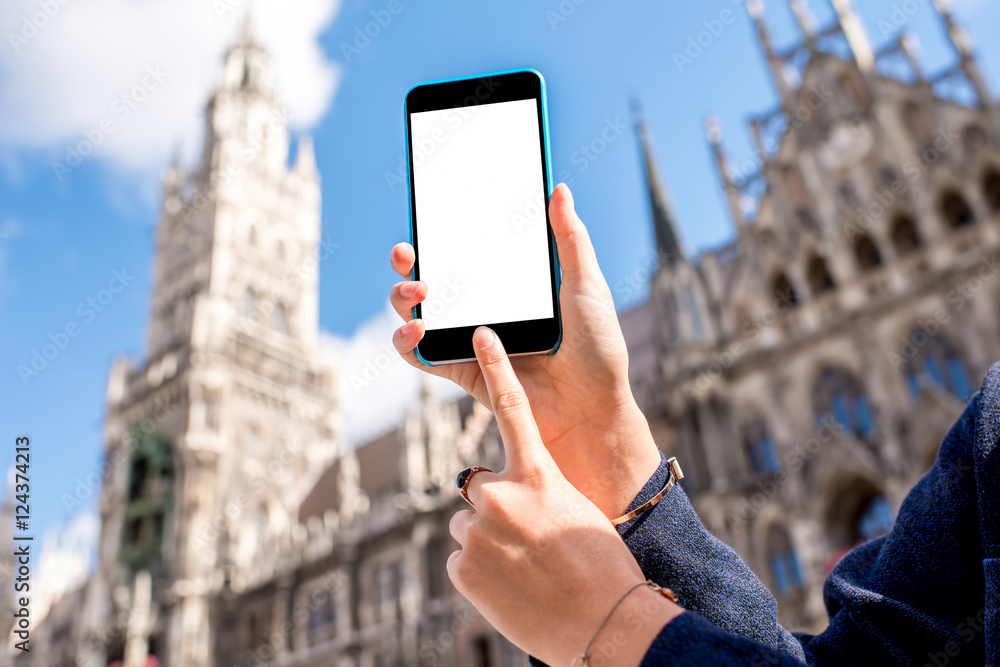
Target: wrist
x: 631, y: 629
x: 626, y: 454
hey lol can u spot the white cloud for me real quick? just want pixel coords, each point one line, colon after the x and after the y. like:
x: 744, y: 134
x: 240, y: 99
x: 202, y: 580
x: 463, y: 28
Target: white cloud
x: 60, y: 79
x: 376, y: 384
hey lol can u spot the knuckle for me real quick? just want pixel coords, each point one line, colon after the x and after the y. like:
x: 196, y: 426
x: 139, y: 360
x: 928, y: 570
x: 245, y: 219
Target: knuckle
x: 510, y: 401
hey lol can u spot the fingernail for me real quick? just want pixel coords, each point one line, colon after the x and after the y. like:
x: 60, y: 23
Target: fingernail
x: 412, y: 327
x: 408, y: 290
x: 484, y: 338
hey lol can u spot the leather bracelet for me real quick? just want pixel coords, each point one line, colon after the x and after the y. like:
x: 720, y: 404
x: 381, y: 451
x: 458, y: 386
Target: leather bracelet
x: 665, y: 592
x: 676, y: 475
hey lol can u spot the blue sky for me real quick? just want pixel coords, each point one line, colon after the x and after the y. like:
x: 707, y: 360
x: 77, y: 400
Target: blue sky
x: 61, y: 241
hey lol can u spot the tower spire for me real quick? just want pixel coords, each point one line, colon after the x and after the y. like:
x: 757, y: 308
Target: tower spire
x: 960, y: 40
x: 756, y: 9
x: 305, y: 157
x: 250, y: 33
x: 668, y: 243
x: 807, y: 22
x: 856, y: 35
x: 714, y: 134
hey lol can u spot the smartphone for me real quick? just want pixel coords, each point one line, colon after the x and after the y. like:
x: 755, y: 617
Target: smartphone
x: 478, y: 173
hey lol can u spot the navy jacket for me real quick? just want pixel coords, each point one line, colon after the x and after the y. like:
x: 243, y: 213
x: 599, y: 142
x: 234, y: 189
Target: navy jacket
x: 926, y: 594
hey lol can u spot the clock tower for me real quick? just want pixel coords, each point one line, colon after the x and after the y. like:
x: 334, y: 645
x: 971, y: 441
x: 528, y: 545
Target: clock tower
x: 215, y: 438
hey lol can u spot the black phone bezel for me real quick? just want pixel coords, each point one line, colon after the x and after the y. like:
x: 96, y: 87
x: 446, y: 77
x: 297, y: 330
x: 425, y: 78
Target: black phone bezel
x: 454, y: 345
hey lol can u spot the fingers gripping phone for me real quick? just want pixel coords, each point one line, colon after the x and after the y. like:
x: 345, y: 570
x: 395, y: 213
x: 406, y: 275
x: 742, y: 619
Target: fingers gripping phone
x: 479, y: 224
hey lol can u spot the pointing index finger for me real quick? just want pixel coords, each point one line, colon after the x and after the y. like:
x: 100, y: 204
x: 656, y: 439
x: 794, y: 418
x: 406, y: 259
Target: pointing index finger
x: 522, y: 443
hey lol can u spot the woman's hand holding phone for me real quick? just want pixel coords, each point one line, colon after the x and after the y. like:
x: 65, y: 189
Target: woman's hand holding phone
x: 580, y: 397
x: 539, y: 560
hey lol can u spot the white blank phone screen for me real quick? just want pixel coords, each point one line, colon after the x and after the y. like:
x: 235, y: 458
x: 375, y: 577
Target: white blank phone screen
x: 481, y: 235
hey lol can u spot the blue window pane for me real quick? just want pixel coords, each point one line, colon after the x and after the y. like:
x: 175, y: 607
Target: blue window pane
x: 769, y: 456
x: 755, y: 461
x: 876, y: 519
x: 913, y: 386
x: 934, y: 371
x: 840, y: 410
x: 959, y: 380
x: 780, y: 576
x: 866, y: 424
x: 796, y: 570
x: 315, y: 619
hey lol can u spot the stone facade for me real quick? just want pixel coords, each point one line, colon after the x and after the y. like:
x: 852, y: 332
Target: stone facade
x: 803, y: 375
x: 810, y: 368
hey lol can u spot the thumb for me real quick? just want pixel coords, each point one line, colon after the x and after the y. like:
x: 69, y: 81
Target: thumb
x: 576, y: 252
x: 522, y: 444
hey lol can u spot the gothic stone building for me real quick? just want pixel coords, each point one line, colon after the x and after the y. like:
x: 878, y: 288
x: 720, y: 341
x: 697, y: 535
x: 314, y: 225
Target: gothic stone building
x: 806, y: 373
x: 803, y: 374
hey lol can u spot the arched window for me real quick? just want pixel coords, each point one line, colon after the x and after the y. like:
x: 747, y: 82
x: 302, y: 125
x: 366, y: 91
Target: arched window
x: 866, y: 253
x: 250, y: 442
x: 785, y: 569
x: 991, y: 189
x: 760, y: 448
x: 252, y: 236
x: 249, y: 303
x: 279, y: 251
x: 279, y: 319
x: 904, y: 235
x: 150, y: 487
x: 838, y: 397
x: 782, y: 289
x: 937, y: 364
x: 818, y: 275
x: 876, y: 518
x: 956, y: 211
x: 322, y: 615
x: 858, y: 512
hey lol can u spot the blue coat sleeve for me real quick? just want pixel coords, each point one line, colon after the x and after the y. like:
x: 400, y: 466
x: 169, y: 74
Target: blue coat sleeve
x: 926, y: 593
